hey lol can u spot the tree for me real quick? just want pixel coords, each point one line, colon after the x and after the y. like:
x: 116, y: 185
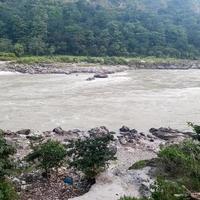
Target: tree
x: 6, y: 45
x: 48, y: 155
x: 91, y: 156
x: 36, y: 46
x: 19, y: 49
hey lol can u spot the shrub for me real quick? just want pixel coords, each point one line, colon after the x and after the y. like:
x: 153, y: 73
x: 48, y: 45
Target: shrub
x: 196, y: 129
x: 144, y: 163
x: 182, y: 163
x: 91, y: 156
x: 19, y: 49
x: 168, y: 190
x: 48, y: 155
x: 7, y: 191
x: 6, y: 163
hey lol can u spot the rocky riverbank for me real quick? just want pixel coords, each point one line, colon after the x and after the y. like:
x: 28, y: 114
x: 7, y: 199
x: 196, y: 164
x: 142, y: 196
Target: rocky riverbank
x: 129, y: 144
x: 69, y: 68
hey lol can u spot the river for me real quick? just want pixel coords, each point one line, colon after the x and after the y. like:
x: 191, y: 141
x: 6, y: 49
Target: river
x: 140, y: 99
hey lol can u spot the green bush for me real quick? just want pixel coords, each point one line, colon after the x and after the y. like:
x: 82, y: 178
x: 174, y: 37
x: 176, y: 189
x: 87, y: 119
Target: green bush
x: 7, y: 191
x: 6, y: 162
x: 168, y: 190
x: 19, y: 49
x: 196, y: 129
x: 48, y: 155
x: 181, y: 162
x: 91, y: 156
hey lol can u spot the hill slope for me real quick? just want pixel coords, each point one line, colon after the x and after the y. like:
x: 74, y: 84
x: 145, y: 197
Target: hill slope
x: 101, y: 27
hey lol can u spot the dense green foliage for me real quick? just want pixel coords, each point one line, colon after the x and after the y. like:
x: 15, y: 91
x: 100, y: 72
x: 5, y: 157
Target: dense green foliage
x: 182, y: 163
x: 6, y: 162
x: 7, y: 191
x: 48, y: 155
x: 196, y: 129
x: 99, y: 28
x: 91, y: 156
x: 164, y: 190
x: 178, y: 169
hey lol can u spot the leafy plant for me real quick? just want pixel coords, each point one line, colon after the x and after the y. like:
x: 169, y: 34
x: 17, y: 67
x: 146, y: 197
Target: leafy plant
x: 48, y: 155
x: 168, y: 190
x: 91, y: 156
x: 7, y: 191
x: 6, y: 162
x: 182, y: 163
x: 196, y: 129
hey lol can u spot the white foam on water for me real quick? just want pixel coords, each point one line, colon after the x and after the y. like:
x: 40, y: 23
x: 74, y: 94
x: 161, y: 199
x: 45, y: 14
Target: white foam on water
x: 5, y: 73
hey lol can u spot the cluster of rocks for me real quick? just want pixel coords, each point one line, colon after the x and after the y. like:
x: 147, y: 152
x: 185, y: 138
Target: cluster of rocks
x: 169, y: 134
x: 126, y: 137
x: 63, y: 68
x: 101, y: 71
x: 131, y: 136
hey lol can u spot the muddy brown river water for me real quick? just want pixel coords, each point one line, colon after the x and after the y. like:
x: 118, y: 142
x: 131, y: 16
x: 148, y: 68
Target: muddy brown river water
x: 140, y: 99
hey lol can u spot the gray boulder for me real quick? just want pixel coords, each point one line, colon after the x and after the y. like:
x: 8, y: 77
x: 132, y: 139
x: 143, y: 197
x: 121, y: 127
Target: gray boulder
x: 101, y: 75
x: 24, y: 132
x: 166, y: 133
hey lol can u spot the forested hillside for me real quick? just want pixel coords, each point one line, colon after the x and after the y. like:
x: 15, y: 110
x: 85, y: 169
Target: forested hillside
x: 101, y: 27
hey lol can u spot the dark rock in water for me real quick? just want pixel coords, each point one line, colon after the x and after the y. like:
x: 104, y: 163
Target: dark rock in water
x: 58, y: 130
x: 98, y: 132
x: 90, y: 79
x: 166, y: 133
x: 124, y: 129
x: 101, y: 75
x: 24, y: 132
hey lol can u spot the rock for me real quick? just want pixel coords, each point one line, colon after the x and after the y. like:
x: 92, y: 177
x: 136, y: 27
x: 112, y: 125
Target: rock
x: 122, y: 140
x: 124, y: 129
x: 101, y: 75
x: 71, y: 135
x: 24, y: 132
x: 35, y: 136
x: 145, y: 190
x: 98, y: 132
x: 166, y: 133
x: 90, y: 79
x: 142, y: 134
x: 58, y: 130
x: 29, y: 178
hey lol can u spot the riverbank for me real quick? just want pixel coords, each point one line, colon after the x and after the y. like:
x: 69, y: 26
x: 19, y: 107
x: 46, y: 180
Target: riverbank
x: 107, y: 65
x: 118, y: 180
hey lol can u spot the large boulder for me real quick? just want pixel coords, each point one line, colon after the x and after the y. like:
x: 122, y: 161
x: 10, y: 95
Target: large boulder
x: 24, y: 132
x: 101, y: 75
x: 58, y: 131
x: 98, y: 132
x: 166, y: 133
x: 124, y: 129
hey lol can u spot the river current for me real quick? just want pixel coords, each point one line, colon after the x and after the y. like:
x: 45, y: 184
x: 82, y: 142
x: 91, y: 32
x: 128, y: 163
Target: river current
x: 140, y: 99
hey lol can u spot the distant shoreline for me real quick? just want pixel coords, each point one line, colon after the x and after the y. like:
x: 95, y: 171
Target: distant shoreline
x: 75, y: 64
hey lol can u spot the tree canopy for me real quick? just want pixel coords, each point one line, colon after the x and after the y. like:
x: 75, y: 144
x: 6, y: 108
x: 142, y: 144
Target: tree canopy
x: 101, y: 28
